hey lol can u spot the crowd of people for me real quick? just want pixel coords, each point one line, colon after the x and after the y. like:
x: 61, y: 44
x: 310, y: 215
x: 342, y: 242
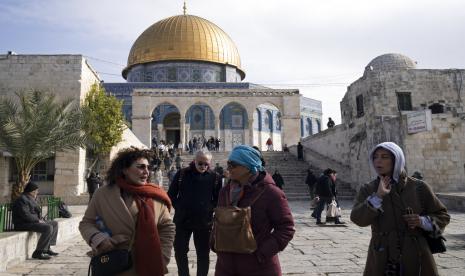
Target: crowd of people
x: 131, y: 213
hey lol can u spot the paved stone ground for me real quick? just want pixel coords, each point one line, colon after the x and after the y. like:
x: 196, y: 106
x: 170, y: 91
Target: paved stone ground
x: 315, y: 250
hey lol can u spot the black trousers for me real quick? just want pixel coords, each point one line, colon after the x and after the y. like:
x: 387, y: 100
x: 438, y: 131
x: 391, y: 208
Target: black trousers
x: 48, y: 233
x: 202, y: 248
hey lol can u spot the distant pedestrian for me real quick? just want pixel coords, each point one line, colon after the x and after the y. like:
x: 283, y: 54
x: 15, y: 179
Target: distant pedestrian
x: 158, y: 177
x: 278, y: 179
x: 167, y: 161
x: 269, y: 144
x: 300, y: 151
x: 310, y: 180
x: 326, y: 192
x: 330, y: 123
x: 286, y: 152
x: 171, y: 173
x: 93, y: 183
x: 417, y: 175
x: 178, y: 160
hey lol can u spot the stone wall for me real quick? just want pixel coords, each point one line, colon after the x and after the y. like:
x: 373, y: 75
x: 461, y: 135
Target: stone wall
x: 67, y: 76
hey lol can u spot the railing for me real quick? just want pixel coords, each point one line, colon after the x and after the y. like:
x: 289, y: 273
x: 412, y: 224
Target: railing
x: 6, y: 213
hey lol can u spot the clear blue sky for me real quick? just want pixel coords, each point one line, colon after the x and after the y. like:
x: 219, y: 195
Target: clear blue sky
x: 318, y: 46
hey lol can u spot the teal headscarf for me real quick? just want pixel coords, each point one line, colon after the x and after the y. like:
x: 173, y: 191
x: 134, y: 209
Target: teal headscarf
x: 247, y: 157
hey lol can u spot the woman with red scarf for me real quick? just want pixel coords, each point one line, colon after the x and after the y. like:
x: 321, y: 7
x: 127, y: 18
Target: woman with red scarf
x: 130, y: 213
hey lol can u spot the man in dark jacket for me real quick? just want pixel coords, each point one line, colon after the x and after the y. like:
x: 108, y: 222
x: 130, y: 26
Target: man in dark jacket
x: 194, y: 194
x: 310, y: 180
x: 278, y: 179
x: 300, y: 151
x: 93, y: 183
x: 27, y: 217
x: 326, y: 192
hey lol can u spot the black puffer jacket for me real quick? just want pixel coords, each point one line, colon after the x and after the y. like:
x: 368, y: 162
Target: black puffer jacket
x: 194, y: 197
x: 325, y: 187
x: 25, y: 210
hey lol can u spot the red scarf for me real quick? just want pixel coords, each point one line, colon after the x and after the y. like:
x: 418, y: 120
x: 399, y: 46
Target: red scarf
x: 148, y: 256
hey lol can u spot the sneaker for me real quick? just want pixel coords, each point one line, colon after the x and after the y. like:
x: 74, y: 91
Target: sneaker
x: 40, y: 255
x: 50, y: 252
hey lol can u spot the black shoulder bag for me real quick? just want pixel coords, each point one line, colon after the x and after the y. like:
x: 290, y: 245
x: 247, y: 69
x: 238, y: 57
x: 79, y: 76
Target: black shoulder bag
x: 110, y: 263
x: 436, y: 245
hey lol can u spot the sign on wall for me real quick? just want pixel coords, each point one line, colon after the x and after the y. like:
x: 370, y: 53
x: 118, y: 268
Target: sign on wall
x: 419, y: 121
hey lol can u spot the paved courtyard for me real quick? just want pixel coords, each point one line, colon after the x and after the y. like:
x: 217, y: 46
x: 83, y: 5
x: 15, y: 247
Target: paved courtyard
x: 328, y: 250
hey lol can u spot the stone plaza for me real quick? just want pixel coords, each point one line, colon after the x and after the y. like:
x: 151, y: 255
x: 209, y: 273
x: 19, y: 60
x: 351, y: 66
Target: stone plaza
x: 314, y: 250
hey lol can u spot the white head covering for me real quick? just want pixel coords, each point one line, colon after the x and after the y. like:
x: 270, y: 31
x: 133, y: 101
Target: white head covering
x: 399, y: 165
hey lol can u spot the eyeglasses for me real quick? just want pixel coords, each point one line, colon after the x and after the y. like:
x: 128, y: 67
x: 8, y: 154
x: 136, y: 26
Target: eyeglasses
x: 144, y: 167
x: 202, y: 164
x: 232, y: 165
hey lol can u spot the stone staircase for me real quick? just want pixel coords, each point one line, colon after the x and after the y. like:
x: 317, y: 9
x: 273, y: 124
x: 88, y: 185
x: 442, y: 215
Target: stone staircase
x: 293, y: 171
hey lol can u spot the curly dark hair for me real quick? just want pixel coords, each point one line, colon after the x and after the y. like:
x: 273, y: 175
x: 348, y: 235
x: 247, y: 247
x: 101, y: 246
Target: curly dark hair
x: 124, y: 159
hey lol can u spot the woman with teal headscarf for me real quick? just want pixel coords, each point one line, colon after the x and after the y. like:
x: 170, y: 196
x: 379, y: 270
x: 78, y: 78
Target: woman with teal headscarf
x: 272, y: 221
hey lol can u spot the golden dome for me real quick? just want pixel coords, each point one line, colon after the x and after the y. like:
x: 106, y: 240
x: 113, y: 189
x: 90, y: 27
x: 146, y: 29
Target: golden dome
x: 184, y: 37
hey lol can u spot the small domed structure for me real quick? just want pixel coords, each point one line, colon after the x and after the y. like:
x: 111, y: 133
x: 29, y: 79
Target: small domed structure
x: 390, y: 62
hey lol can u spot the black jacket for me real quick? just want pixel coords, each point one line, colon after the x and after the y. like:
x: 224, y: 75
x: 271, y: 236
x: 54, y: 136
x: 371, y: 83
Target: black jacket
x: 325, y: 187
x: 25, y: 210
x: 194, y: 197
x: 311, y: 179
x: 278, y: 180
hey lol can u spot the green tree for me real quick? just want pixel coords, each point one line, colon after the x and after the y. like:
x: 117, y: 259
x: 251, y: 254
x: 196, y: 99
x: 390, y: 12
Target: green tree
x: 103, y: 122
x: 34, y: 126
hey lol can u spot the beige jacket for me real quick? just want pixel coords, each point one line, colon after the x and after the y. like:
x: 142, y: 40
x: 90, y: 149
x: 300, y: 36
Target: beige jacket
x: 120, y: 216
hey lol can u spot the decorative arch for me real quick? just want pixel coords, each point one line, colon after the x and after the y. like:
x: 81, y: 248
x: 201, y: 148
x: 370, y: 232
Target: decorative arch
x: 200, y: 116
x: 269, y: 121
x: 318, y: 124
x: 257, y: 119
x: 233, y: 116
x: 309, y: 126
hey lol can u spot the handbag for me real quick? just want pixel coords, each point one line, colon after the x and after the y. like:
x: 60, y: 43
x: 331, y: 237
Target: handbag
x: 110, y: 263
x: 232, y: 229
x: 436, y: 245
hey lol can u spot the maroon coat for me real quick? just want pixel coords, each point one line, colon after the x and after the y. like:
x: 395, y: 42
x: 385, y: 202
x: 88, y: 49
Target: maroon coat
x: 272, y: 226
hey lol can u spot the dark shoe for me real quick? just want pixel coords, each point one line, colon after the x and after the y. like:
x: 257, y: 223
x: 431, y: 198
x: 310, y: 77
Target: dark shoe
x: 339, y: 222
x: 40, y: 255
x: 51, y: 253
x: 319, y: 222
x: 313, y: 215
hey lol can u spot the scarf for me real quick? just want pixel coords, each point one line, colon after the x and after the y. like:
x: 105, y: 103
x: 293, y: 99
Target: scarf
x: 148, y: 256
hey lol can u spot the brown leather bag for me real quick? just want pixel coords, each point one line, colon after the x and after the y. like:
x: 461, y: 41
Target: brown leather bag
x: 232, y: 229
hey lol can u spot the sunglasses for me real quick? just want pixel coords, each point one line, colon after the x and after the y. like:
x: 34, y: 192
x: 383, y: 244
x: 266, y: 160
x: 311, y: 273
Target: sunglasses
x: 144, y: 167
x: 202, y: 164
x: 232, y: 165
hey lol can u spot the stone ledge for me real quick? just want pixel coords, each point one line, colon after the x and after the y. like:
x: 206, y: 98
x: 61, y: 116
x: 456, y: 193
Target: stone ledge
x: 453, y: 201
x: 16, y: 247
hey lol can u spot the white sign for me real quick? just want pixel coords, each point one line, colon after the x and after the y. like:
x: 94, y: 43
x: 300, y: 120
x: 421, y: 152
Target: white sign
x: 419, y: 121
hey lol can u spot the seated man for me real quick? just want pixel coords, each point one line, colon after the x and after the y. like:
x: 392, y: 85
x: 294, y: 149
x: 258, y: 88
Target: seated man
x: 27, y: 217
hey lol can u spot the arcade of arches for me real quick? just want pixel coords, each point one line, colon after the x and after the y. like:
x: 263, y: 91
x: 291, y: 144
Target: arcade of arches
x: 234, y: 117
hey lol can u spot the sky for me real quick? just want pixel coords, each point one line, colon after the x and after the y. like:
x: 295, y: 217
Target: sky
x: 317, y: 46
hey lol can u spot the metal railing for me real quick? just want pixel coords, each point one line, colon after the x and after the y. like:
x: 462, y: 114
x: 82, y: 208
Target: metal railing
x: 51, y: 204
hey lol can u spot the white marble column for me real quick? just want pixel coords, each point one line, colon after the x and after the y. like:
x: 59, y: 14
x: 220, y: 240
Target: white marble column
x: 217, y: 127
x: 250, y: 132
x: 182, y: 125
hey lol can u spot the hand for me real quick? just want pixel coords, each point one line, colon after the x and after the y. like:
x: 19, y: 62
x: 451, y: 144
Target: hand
x: 384, y: 186
x: 105, y: 246
x: 41, y: 221
x: 412, y: 220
